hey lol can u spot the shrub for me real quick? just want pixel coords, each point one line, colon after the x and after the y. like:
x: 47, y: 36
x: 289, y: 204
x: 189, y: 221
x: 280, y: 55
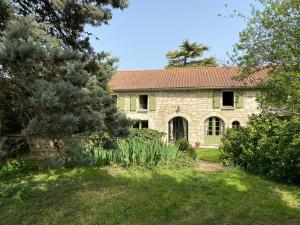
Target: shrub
x: 52, y: 163
x: 19, y: 167
x: 185, y: 146
x: 102, y: 139
x: 145, y: 134
x: 78, y: 156
x: 13, y: 147
x: 182, y: 160
x: 136, y: 152
x: 268, y: 145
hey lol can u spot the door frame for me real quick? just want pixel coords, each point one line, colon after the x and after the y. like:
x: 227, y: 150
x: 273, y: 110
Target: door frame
x: 171, y: 132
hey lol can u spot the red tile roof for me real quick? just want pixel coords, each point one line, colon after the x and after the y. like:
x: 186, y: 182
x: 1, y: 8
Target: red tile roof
x: 183, y: 78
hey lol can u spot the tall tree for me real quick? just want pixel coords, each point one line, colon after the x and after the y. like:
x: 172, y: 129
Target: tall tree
x: 67, y: 19
x: 53, y: 86
x: 5, y: 15
x: 188, y: 54
x: 271, y: 40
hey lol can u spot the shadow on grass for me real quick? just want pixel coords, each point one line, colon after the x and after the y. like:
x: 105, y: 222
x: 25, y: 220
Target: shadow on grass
x: 116, y: 196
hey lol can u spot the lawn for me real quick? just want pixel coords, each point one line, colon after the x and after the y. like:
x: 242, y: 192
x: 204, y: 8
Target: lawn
x: 119, y: 196
x: 208, y: 154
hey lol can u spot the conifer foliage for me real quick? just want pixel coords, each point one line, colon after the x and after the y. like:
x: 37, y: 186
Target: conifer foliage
x: 53, y: 83
x: 188, y: 56
x: 66, y: 19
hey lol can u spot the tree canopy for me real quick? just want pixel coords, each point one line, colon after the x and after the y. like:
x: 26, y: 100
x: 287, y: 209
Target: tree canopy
x: 66, y: 19
x: 52, y: 83
x: 271, y: 41
x: 188, y: 56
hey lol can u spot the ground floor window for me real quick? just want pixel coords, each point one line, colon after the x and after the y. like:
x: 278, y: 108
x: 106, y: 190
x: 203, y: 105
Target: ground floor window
x: 236, y: 124
x: 141, y: 124
x: 178, y: 129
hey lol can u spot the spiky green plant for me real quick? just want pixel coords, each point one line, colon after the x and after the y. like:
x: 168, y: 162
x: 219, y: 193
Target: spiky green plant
x: 136, y: 152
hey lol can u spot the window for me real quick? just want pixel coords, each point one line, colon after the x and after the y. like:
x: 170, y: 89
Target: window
x: 214, y: 126
x: 236, y: 124
x: 136, y: 125
x: 219, y: 127
x: 228, y: 98
x: 141, y: 124
x: 144, y: 124
x: 143, y: 102
x: 209, y: 127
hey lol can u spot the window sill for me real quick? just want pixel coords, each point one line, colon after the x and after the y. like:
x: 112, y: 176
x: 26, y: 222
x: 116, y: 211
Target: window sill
x: 142, y: 111
x: 227, y: 108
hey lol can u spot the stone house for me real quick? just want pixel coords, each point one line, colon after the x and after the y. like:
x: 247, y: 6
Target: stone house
x: 196, y: 104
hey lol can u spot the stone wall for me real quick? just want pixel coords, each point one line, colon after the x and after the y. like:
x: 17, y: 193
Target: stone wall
x: 43, y: 147
x: 196, y: 106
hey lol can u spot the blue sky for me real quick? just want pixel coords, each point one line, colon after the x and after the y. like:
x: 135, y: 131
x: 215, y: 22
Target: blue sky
x: 142, y: 34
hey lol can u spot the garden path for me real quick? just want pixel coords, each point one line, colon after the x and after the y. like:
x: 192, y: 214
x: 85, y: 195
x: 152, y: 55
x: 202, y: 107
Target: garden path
x: 209, y: 166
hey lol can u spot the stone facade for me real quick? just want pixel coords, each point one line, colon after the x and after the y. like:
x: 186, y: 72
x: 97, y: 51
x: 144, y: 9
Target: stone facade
x: 196, y: 106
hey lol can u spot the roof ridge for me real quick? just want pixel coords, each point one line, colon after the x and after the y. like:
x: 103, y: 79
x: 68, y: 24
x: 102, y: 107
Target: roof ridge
x: 182, y: 68
x: 140, y: 70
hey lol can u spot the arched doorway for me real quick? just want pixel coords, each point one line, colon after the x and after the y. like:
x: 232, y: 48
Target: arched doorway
x: 178, y: 129
x: 214, y: 129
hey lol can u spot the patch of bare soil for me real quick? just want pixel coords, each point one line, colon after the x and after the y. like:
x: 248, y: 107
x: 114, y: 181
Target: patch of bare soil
x: 209, y: 166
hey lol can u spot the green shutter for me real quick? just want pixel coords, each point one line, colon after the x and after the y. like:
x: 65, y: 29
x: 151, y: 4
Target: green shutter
x: 239, y: 99
x: 152, y: 103
x: 121, y: 103
x: 132, y: 103
x: 217, y: 99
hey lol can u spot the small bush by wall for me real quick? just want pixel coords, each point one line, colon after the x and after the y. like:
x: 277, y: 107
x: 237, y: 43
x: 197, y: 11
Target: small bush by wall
x: 145, y: 134
x: 269, y: 145
x: 185, y: 146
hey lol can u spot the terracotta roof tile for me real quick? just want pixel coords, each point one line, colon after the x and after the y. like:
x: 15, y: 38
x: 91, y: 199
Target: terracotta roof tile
x: 183, y: 78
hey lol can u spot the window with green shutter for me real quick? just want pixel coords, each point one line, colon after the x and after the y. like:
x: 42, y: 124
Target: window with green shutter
x: 143, y: 102
x: 133, y: 103
x: 216, y: 99
x: 239, y: 99
x: 152, y: 103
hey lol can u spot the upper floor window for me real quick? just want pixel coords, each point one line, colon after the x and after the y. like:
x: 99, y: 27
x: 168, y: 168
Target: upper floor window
x: 143, y: 102
x: 228, y: 98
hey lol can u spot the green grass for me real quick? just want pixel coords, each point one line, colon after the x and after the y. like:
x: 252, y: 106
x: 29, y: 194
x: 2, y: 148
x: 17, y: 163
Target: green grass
x: 208, y: 154
x: 119, y: 196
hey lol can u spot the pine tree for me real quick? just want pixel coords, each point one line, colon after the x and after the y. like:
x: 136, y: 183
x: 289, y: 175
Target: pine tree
x: 66, y: 19
x: 56, y: 86
x: 5, y: 15
x: 187, y: 56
